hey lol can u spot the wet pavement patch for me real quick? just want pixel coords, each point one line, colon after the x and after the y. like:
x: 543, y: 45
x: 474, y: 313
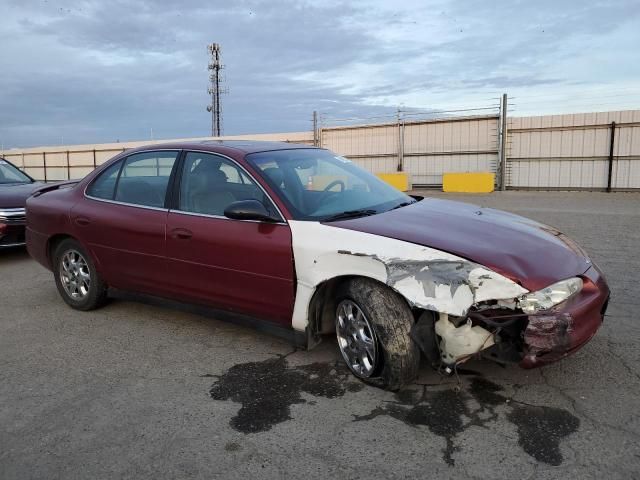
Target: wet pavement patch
x: 267, y: 389
x: 441, y: 414
x: 540, y: 430
x: 447, y: 413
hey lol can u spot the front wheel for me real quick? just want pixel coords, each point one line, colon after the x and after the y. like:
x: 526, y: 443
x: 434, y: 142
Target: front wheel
x: 372, y: 327
x: 77, y: 279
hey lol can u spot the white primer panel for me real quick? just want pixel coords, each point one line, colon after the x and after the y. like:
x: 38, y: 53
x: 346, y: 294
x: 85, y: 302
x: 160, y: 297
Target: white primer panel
x: 433, y: 279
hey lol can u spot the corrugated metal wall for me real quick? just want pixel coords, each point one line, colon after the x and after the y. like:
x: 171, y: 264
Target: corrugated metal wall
x: 75, y: 161
x: 374, y: 147
x: 572, y: 151
x: 546, y: 152
x: 429, y: 147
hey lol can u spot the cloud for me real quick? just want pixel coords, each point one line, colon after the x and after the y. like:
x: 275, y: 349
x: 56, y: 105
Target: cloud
x: 93, y: 71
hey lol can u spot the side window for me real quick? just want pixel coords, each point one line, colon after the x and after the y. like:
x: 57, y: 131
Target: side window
x: 104, y: 186
x: 210, y: 183
x: 144, y: 178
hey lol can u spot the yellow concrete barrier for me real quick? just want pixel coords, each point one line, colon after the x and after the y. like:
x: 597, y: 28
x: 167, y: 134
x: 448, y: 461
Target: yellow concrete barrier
x: 477, y: 182
x: 399, y: 180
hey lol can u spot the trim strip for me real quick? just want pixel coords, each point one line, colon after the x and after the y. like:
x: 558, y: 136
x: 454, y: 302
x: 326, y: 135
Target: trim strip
x: 222, y: 217
x: 13, y: 216
x: 126, y: 204
x: 9, y: 245
x: 12, y: 212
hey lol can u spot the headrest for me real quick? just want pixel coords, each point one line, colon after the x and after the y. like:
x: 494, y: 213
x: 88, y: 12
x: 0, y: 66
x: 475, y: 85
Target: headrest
x: 274, y: 174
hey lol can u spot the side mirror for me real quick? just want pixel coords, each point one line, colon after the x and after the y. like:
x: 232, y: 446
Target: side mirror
x: 249, y: 210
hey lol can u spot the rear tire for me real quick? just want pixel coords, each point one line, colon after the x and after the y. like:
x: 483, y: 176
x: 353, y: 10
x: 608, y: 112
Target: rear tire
x: 77, y: 279
x: 387, y: 314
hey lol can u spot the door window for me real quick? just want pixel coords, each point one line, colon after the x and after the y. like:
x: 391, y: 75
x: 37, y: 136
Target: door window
x: 210, y: 183
x: 105, y: 185
x: 144, y: 178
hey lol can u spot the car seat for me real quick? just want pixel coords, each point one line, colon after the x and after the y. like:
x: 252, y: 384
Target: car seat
x: 208, y: 189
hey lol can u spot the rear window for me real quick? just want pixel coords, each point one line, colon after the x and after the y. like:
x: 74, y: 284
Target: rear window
x: 104, y: 186
x: 144, y: 178
x: 140, y: 179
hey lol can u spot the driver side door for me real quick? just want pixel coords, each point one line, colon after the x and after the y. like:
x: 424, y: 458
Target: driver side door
x: 243, y: 266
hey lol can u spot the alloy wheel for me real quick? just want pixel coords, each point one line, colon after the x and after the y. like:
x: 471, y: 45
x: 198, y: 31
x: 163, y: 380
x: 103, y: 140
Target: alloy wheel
x: 356, y: 339
x: 75, y: 275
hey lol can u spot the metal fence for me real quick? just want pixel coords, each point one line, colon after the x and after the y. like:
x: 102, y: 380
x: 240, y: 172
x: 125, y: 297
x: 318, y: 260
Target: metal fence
x: 588, y: 151
x: 55, y: 163
x: 423, y: 148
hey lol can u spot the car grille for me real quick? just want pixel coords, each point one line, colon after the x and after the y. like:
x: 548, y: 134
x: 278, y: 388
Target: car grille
x: 12, y: 215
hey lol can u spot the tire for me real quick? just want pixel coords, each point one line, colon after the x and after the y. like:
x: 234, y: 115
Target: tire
x: 74, y: 271
x: 390, y: 319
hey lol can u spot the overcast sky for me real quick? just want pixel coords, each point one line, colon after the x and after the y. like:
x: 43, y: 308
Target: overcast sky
x: 101, y: 71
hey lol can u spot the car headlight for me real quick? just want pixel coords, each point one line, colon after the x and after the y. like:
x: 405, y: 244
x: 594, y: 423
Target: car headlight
x: 550, y: 296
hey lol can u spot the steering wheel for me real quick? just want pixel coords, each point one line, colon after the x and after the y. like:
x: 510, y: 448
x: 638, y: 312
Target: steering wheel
x: 326, y: 191
x: 333, y: 184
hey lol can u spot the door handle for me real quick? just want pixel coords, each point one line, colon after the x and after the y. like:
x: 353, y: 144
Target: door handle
x: 181, y: 233
x: 82, y: 221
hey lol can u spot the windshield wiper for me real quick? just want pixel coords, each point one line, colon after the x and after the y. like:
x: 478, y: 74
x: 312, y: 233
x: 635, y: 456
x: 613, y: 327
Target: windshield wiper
x: 350, y: 214
x: 403, y: 204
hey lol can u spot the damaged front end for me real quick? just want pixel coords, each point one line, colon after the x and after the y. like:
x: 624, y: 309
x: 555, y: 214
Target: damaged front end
x: 505, y: 332
x: 462, y: 309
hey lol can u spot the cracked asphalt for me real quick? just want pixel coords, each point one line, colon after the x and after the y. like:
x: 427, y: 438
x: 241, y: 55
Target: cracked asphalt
x: 144, y: 391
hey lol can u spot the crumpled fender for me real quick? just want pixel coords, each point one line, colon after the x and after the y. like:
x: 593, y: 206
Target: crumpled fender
x: 426, y: 277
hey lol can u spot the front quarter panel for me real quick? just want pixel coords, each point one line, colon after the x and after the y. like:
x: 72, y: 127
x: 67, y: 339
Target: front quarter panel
x: 427, y: 278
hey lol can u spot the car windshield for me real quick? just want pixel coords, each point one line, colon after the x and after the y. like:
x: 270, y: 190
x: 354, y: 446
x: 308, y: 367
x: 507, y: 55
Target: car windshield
x: 319, y: 185
x: 10, y: 174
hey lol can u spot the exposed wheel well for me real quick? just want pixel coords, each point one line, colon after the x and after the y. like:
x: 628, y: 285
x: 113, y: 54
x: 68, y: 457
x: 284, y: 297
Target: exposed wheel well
x: 323, y: 304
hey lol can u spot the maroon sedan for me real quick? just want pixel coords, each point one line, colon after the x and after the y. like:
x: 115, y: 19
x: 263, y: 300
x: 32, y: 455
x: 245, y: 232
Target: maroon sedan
x: 301, y: 241
x: 15, y: 187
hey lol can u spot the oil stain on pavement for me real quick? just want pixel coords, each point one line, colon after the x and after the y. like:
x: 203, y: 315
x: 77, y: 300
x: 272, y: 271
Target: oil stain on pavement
x: 447, y: 413
x: 267, y: 390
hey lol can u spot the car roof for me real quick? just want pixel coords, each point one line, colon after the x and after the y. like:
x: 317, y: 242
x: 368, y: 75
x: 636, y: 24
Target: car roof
x: 223, y: 146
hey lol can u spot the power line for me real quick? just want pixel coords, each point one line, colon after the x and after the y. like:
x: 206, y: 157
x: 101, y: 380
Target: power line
x: 430, y: 112
x: 407, y: 113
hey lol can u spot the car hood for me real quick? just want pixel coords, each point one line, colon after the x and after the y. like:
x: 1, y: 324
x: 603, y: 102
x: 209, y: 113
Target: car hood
x: 530, y: 253
x: 15, y: 195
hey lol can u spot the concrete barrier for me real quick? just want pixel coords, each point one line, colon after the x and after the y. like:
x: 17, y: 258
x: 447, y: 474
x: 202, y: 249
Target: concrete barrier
x: 477, y: 182
x: 399, y: 180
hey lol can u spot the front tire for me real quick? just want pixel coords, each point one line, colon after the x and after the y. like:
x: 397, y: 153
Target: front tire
x: 372, y: 326
x: 77, y: 279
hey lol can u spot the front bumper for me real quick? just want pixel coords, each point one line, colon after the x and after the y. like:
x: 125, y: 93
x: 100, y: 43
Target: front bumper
x: 12, y: 227
x: 11, y: 235
x: 557, y: 333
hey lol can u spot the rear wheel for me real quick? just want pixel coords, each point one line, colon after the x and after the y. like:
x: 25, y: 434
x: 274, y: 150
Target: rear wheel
x: 372, y: 327
x: 76, y: 277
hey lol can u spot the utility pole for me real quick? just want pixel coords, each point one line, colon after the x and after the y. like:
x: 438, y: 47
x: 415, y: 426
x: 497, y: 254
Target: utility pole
x: 215, y: 89
x: 612, y: 141
x: 400, y: 165
x: 316, y: 140
x: 502, y: 145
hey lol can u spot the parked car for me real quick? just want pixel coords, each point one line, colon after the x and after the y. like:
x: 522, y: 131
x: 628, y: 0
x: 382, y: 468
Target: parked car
x: 302, y: 241
x: 15, y: 187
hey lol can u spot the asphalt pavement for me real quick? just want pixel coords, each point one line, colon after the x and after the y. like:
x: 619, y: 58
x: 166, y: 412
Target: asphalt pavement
x: 139, y: 390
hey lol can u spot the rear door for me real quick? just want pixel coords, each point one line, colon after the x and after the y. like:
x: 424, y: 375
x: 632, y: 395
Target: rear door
x: 238, y: 265
x: 122, y: 219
